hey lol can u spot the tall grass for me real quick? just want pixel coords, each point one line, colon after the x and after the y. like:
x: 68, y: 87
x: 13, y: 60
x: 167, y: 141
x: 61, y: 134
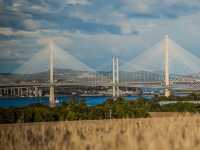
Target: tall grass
x: 168, y: 133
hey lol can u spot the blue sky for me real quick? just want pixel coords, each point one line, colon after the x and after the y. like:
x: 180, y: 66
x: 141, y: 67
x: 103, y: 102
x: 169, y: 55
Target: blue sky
x: 94, y: 30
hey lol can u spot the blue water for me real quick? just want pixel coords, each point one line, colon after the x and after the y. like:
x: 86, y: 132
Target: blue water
x: 25, y: 101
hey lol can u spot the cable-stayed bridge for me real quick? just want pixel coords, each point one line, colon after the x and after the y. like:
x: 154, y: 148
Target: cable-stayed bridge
x: 165, y: 66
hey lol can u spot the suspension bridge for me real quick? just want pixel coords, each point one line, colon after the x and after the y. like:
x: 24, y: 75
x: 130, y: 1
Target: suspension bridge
x: 165, y: 66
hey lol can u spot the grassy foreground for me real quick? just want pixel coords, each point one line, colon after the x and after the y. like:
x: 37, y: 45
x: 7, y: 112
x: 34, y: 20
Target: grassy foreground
x: 167, y: 133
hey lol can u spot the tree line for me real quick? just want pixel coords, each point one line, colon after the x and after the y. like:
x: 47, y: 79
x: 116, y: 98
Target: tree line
x: 78, y: 110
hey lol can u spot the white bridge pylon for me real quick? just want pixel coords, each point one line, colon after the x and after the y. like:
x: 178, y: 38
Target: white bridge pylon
x: 166, y: 57
x: 180, y: 60
x: 166, y: 68
x: 115, y: 71
x: 75, y: 64
x: 51, y: 80
x: 49, y: 58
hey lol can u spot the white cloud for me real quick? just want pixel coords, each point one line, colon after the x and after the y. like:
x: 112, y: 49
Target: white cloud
x: 107, y: 17
x: 10, y: 32
x: 163, y: 8
x: 141, y: 6
x: 91, y: 47
x: 77, y: 2
x: 31, y: 24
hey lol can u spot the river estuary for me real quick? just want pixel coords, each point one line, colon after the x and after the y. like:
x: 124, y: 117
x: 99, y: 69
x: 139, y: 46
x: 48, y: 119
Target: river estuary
x: 25, y: 101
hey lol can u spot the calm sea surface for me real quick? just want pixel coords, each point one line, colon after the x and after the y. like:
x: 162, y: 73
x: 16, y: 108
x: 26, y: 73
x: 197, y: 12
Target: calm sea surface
x: 25, y: 101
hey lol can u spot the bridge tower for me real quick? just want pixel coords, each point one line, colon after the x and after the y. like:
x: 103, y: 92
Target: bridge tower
x: 117, y: 74
x: 51, y: 89
x: 166, y: 67
x: 115, y: 65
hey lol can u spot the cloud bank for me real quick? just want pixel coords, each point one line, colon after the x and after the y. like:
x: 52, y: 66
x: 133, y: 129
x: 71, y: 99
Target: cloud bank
x: 94, y: 30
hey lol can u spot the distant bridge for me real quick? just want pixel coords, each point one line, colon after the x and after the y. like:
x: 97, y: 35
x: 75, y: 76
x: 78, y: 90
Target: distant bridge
x: 157, y: 84
x: 111, y: 78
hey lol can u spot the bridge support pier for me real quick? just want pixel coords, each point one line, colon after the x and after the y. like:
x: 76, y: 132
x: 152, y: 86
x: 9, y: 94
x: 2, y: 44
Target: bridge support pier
x: 18, y: 92
x: 52, y: 96
x: 35, y: 91
x: 21, y: 92
x: 27, y: 92
x: 14, y: 92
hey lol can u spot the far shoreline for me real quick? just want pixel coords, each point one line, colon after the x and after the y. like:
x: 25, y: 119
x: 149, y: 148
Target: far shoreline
x: 109, y: 96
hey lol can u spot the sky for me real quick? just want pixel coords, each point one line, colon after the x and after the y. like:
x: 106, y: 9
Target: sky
x: 94, y: 30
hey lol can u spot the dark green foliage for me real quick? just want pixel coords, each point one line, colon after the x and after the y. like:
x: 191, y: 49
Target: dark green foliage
x: 191, y: 97
x: 75, y: 110
x: 7, y: 116
x: 78, y: 110
x: 122, y: 108
x: 179, y: 107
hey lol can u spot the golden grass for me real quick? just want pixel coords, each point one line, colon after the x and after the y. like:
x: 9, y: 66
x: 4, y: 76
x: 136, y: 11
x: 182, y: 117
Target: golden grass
x: 170, y: 133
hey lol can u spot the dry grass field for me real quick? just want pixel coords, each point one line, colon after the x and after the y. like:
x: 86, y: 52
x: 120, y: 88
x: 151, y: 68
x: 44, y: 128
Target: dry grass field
x: 166, y: 133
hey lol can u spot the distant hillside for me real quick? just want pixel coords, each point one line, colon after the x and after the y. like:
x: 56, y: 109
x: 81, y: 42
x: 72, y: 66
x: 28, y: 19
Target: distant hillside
x: 67, y: 74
